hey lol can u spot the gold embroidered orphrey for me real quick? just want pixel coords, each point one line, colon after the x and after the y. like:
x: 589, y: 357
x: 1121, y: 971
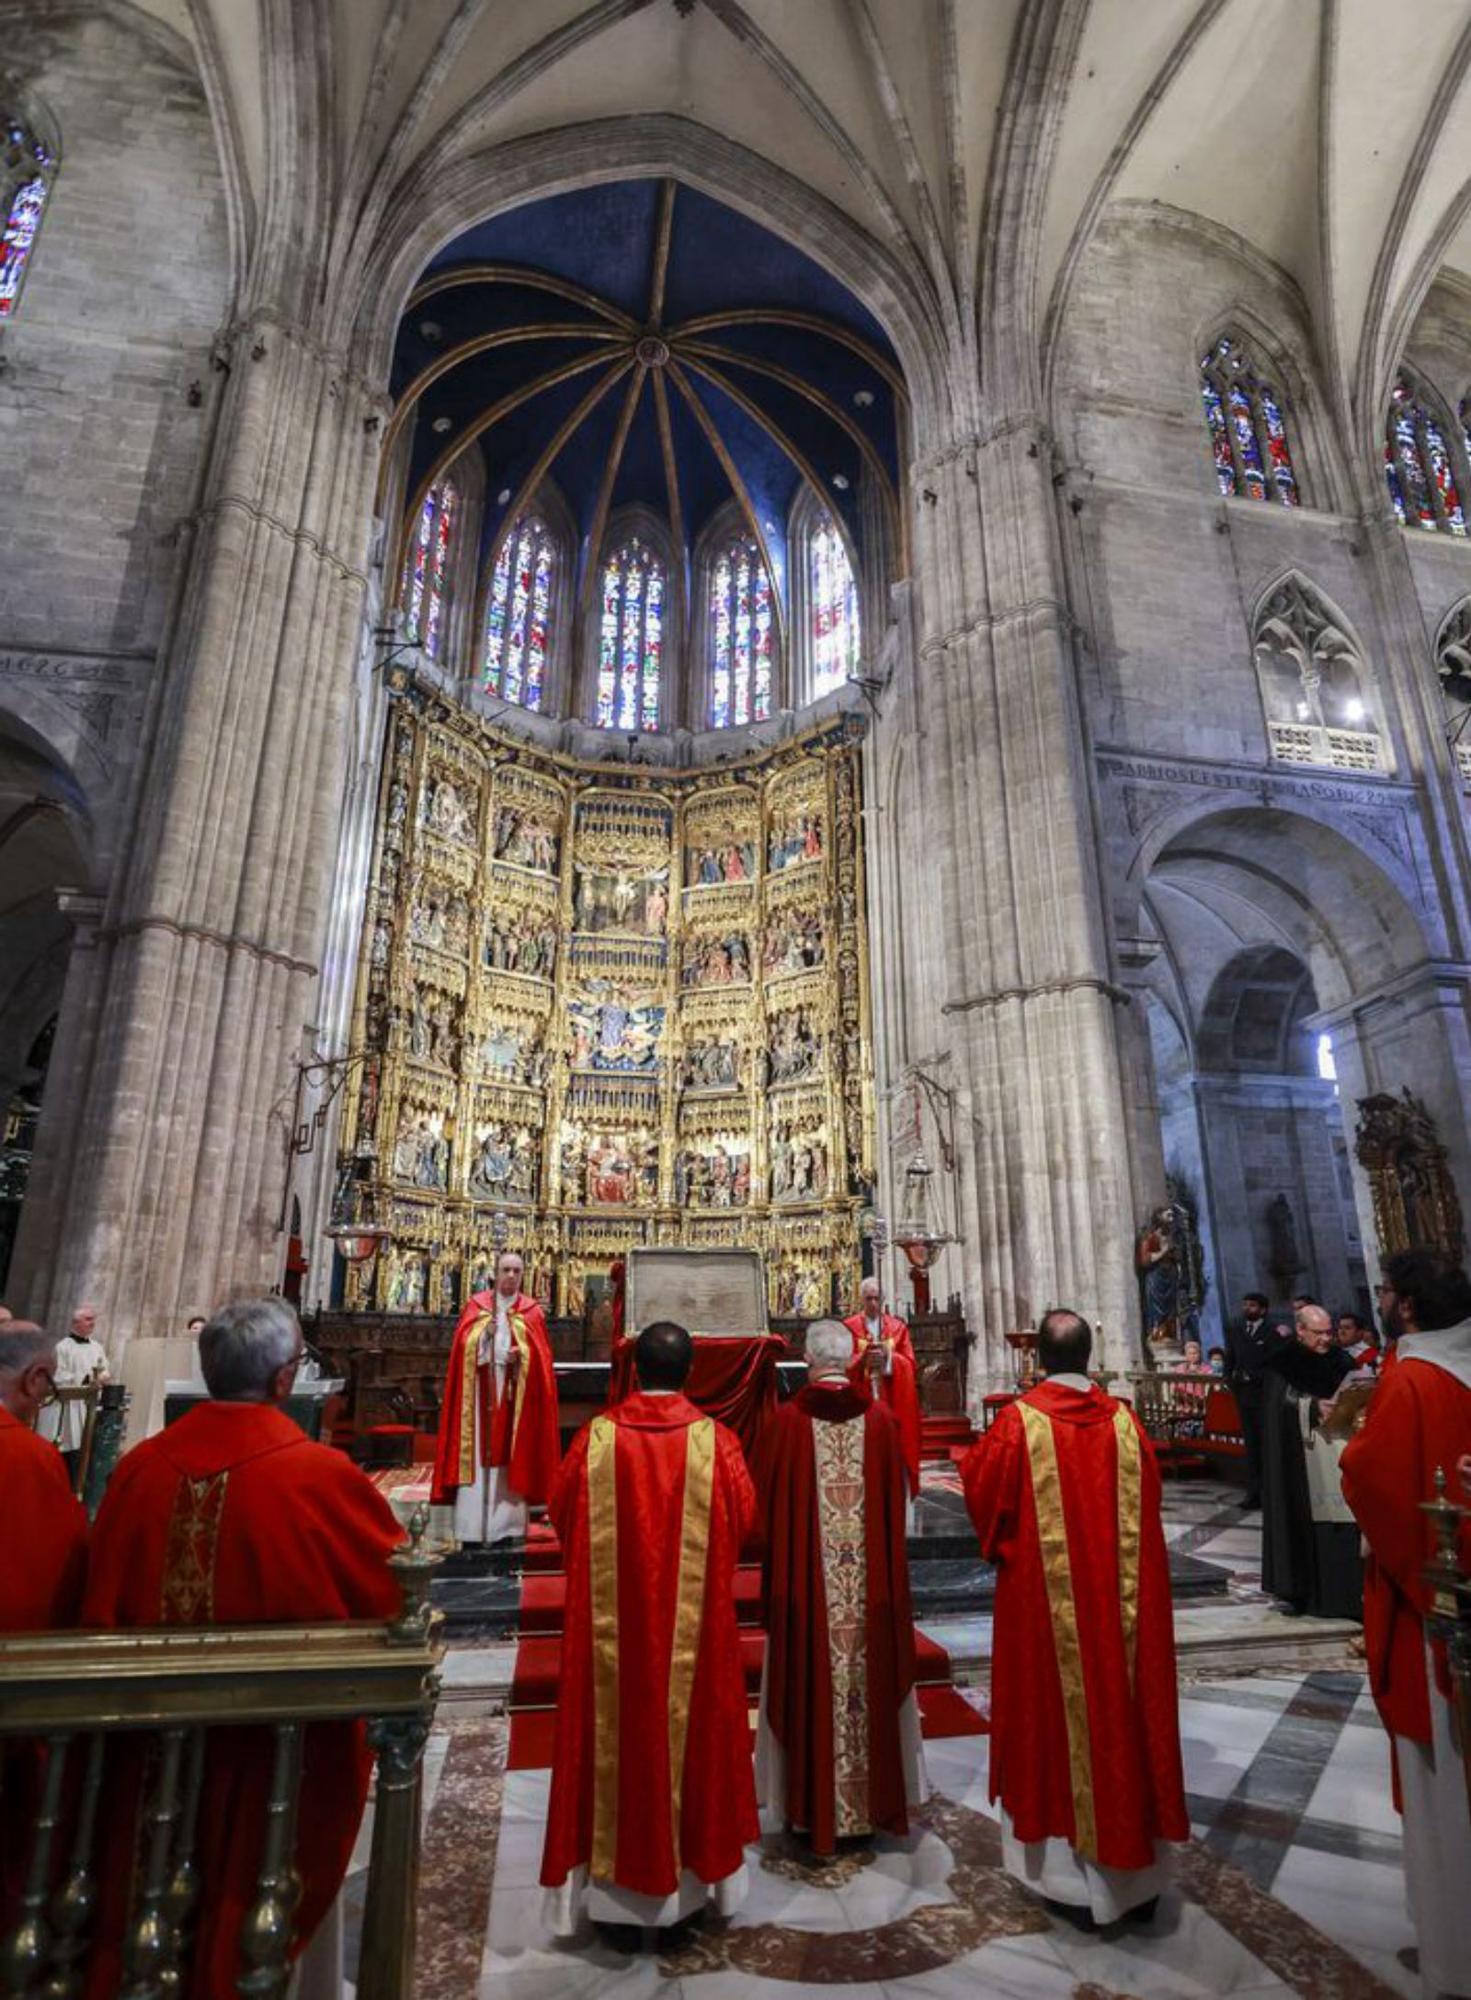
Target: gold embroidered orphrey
x: 837, y: 1451
x: 188, y: 1596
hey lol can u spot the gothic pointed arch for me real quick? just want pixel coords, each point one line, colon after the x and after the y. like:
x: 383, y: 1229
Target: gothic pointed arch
x: 527, y: 596
x: 1425, y: 458
x: 1252, y: 437
x: 1319, y: 696
x: 632, y: 636
x: 827, y: 622
x: 30, y: 152
x: 735, y: 638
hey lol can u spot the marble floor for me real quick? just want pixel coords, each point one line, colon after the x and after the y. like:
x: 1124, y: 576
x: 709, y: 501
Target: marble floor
x: 1291, y: 1883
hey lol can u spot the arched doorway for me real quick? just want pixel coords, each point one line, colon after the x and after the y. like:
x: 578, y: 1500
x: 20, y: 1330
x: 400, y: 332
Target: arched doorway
x: 43, y: 852
x: 1288, y: 976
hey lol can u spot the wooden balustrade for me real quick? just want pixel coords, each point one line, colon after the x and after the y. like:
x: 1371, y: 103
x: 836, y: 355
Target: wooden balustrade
x: 76, y: 1692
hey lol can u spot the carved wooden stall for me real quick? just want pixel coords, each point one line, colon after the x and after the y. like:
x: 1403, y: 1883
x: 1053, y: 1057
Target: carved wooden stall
x: 1415, y: 1202
x: 615, y: 1005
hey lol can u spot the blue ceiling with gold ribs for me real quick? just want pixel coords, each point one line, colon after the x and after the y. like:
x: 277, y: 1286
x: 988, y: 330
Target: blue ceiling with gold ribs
x: 642, y: 343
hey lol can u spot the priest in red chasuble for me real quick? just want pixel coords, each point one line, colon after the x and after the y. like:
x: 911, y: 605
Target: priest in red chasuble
x: 838, y: 1747
x: 1085, y: 1740
x: 232, y: 1516
x: 498, y: 1440
x: 883, y: 1363
x: 1418, y: 1423
x: 43, y: 1559
x: 652, y: 1797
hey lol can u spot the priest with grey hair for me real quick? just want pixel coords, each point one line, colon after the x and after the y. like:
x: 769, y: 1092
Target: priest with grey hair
x: 233, y: 1516
x: 838, y: 1750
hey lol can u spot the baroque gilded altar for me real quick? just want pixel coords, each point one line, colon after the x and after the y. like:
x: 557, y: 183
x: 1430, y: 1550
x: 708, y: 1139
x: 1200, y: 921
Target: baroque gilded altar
x: 623, y: 1006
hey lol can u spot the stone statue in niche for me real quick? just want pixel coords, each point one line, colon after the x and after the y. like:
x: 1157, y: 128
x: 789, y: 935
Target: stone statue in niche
x: 526, y: 944
x: 1167, y: 1263
x: 515, y: 1054
x: 795, y: 1047
x: 793, y: 943
x: 1284, y: 1259
x: 713, y: 1177
x: 408, y: 1288
x: 799, y: 1165
x: 448, y: 811
x: 504, y: 1167
x: 421, y: 1151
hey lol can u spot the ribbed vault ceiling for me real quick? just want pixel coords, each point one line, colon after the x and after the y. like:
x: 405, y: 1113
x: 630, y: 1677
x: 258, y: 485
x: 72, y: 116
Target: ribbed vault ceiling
x: 1331, y: 134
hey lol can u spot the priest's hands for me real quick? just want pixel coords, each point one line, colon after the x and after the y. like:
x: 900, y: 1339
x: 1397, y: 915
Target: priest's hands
x: 875, y: 1358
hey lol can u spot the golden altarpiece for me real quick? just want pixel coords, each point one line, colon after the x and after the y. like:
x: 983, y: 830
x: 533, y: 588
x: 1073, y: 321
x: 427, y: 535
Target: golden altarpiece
x: 603, y: 1005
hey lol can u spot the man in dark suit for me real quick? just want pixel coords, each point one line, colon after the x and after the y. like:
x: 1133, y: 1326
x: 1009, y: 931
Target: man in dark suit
x: 1249, y: 1341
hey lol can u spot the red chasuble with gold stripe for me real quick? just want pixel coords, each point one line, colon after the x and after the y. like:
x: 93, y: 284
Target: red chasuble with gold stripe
x: 652, y: 1769
x: 1085, y: 1738
x: 839, y: 1624
x: 232, y: 1516
x: 517, y: 1430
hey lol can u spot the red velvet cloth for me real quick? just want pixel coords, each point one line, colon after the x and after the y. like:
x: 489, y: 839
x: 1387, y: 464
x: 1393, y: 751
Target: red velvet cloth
x: 233, y: 1517
x: 733, y: 1380
x: 899, y: 1389
x: 1133, y: 1730
x: 799, y: 1693
x: 43, y: 1566
x: 718, y: 1801
x: 527, y: 1414
x: 1420, y: 1418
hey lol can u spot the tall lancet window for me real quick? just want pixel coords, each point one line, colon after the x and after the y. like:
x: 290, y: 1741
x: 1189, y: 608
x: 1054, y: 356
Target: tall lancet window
x: 832, y: 605
x: 740, y: 636
x: 631, y: 638
x: 427, y: 571
x: 518, y: 620
x: 26, y: 167
x: 1417, y: 466
x: 1248, y: 431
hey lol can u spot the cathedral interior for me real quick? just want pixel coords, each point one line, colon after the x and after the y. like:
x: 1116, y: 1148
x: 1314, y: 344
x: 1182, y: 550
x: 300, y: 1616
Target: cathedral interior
x: 837, y: 627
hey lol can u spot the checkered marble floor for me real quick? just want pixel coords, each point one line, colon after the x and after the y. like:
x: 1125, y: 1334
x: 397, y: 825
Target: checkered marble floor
x: 1290, y: 1885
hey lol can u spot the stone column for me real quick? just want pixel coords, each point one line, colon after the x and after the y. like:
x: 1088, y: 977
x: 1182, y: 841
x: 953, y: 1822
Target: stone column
x: 162, y: 1159
x: 1031, y: 1006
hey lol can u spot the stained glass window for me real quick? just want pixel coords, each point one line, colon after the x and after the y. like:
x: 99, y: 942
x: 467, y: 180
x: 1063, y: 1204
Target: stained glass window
x: 518, y: 619
x: 25, y: 181
x: 427, y: 570
x: 740, y: 636
x: 631, y: 638
x: 1248, y: 432
x: 832, y: 607
x: 1417, y: 466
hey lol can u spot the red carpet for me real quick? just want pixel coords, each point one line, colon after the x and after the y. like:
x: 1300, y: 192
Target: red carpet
x: 944, y: 1710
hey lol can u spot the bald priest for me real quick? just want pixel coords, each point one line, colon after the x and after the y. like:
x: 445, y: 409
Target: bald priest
x: 498, y: 1439
x: 1085, y: 1736
x: 838, y: 1749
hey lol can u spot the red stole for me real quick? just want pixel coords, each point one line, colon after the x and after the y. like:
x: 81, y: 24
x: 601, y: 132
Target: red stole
x: 899, y: 1389
x: 1085, y: 1742
x: 800, y: 1706
x: 652, y: 1768
x: 233, y: 1517
x: 517, y: 1430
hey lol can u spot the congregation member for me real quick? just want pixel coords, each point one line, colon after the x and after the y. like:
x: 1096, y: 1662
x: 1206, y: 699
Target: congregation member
x: 43, y: 1551
x: 838, y: 1749
x: 1356, y: 1340
x: 1248, y: 1343
x: 882, y: 1363
x: 1419, y: 1423
x: 232, y: 1516
x: 498, y: 1440
x: 1310, y: 1547
x: 81, y: 1362
x: 43, y: 1557
x: 1064, y: 1493
x: 652, y: 1794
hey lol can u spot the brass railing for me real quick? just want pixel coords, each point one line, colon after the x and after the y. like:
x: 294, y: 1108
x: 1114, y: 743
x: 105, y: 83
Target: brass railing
x: 1170, y: 1403
x: 73, y: 1692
